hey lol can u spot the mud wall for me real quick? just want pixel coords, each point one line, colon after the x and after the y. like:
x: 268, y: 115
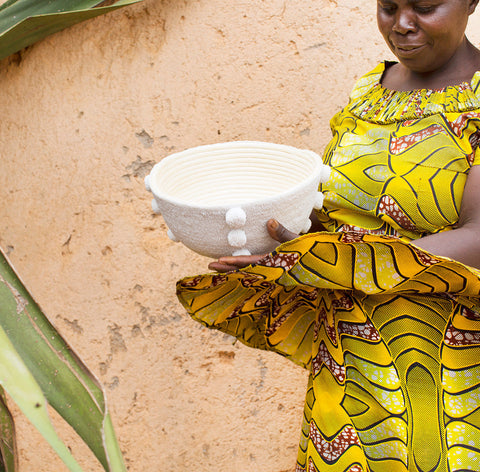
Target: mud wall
x: 85, y: 114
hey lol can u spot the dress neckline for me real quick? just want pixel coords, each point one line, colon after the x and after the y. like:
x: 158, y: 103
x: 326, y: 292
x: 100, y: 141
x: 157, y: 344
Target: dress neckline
x: 371, y: 101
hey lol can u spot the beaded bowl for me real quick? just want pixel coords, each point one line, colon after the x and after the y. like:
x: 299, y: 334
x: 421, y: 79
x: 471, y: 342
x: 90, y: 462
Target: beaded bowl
x: 216, y: 199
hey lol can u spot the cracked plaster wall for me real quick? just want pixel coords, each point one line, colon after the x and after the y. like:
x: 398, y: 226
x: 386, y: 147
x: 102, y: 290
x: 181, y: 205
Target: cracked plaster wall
x: 85, y: 115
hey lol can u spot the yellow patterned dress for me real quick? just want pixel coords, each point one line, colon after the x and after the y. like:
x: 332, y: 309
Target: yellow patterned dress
x: 389, y: 333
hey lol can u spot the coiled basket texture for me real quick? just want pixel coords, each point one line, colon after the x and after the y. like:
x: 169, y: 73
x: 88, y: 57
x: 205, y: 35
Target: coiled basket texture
x: 216, y: 199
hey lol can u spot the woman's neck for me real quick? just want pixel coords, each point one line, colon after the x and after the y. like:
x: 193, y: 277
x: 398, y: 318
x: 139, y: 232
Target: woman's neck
x: 460, y: 68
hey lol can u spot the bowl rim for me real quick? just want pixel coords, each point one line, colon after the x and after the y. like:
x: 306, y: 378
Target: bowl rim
x: 314, y: 176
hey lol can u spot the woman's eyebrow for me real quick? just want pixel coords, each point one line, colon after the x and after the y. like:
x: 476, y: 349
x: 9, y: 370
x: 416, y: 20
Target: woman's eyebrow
x: 418, y: 1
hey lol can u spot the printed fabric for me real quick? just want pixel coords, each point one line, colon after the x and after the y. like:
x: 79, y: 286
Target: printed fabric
x: 390, y: 333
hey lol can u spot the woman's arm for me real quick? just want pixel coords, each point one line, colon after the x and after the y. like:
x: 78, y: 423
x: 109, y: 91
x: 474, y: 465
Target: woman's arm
x: 463, y: 242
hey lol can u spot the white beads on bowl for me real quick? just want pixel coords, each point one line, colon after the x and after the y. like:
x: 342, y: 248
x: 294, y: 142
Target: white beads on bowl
x: 241, y: 252
x: 318, y: 204
x: 172, y: 236
x: 156, y: 207
x: 237, y: 238
x: 235, y: 218
x: 306, y: 226
x: 147, y: 183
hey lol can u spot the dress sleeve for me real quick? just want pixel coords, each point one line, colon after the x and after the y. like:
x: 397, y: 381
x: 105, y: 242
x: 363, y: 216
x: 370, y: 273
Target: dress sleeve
x: 476, y: 159
x: 475, y: 140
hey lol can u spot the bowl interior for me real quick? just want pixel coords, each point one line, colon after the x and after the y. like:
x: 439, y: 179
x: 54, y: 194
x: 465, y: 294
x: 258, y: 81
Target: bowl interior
x: 217, y: 176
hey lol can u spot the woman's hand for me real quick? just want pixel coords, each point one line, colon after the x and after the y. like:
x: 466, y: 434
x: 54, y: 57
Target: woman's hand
x: 228, y: 263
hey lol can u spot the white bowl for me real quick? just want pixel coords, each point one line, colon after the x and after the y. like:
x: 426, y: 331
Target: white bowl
x: 216, y: 199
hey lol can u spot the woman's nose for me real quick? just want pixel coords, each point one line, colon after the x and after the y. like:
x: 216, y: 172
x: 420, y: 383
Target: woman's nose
x: 404, y: 21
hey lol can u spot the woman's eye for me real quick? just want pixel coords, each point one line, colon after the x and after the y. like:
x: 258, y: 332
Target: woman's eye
x: 388, y: 8
x: 424, y: 8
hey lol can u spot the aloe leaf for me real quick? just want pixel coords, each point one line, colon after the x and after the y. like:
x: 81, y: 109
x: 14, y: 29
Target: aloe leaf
x: 33, y: 344
x: 7, y: 4
x: 17, y: 10
x: 24, y: 22
x: 8, y: 452
x: 22, y: 388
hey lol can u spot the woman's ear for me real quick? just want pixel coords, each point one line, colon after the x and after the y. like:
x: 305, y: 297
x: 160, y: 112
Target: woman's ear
x: 472, y: 5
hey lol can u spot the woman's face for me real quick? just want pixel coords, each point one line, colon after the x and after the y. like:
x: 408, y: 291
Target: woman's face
x: 424, y: 34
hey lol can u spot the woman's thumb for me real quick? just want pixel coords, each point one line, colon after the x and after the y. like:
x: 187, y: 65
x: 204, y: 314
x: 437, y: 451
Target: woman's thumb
x: 279, y: 232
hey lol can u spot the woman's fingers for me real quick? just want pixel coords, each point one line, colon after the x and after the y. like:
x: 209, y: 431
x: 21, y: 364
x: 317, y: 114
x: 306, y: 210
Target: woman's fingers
x: 279, y: 232
x: 228, y: 263
x: 219, y: 267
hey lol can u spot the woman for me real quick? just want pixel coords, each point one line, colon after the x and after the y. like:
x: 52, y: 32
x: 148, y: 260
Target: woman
x: 383, y: 305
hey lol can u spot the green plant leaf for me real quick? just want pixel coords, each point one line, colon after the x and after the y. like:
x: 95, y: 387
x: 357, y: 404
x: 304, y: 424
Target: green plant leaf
x: 24, y: 22
x: 8, y: 452
x: 38, y: 366
x: 21, y: 386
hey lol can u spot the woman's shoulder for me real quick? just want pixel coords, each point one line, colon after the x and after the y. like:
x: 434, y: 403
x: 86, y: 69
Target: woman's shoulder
x: 369, y: 80
x: 371, y: 101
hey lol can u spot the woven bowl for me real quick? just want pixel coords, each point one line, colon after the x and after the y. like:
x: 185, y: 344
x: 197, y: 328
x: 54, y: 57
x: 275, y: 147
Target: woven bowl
x: 216, y: 199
